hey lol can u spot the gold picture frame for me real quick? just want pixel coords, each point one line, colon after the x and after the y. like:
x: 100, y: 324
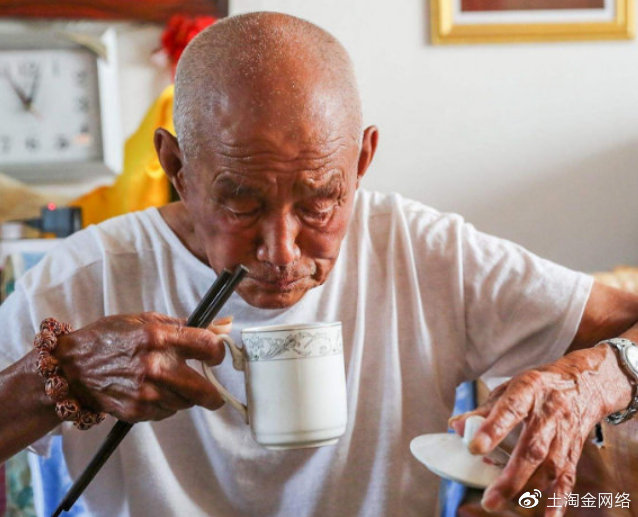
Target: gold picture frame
x: 446, y: 30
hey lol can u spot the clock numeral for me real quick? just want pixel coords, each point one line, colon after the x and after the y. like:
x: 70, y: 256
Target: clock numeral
x: 28, y: 68
x: 81, y: 77
x: 32, y: 143
x: 83, y: 104
x: 62, y: 142
x: 5, y: 144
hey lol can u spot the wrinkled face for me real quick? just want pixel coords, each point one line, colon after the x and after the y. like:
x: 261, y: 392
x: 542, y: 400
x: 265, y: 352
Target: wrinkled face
x: 277, y: 201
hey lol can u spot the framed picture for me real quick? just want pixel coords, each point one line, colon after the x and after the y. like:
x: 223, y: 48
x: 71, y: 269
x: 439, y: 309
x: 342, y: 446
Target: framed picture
x: 495, y: 21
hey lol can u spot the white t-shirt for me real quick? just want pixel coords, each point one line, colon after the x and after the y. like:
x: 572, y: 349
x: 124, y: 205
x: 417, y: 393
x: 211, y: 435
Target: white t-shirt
x: 426, y: 302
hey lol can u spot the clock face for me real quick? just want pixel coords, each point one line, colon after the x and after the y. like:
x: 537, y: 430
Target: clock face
x: 49, y: 107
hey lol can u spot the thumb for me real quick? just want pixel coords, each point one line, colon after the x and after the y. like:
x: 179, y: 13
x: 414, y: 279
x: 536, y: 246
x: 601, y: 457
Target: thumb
x: 221, y: 325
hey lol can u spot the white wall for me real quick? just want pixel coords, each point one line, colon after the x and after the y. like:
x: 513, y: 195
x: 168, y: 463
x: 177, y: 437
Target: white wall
x: 141, y: 81
x: 537, y: 143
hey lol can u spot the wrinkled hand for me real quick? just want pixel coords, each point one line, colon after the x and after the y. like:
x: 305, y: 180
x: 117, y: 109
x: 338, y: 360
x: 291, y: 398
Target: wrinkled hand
x: 558, y: 405
x: 134, y: 366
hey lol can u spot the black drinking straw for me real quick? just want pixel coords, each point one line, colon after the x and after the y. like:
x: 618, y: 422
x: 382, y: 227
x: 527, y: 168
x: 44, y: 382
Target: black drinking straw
x: 210, y: 305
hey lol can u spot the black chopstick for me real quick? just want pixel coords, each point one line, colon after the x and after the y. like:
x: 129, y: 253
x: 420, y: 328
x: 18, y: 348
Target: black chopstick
x: 211, y: 311
x: 206, y: 310
x: 196, y: 318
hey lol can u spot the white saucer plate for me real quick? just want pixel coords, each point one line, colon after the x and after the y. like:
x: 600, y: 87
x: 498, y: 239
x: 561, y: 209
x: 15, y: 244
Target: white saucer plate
x: 447, y: 456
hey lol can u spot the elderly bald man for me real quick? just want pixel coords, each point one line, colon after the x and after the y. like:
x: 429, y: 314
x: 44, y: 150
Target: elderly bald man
x: 269, y: 155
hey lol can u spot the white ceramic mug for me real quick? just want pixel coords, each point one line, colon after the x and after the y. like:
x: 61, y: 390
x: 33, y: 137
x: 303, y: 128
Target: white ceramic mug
x: 295, y: 384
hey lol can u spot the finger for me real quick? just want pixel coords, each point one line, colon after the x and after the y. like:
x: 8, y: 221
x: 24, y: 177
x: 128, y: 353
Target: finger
x: 555, y: 511
x: 160, y: 414
x: 133, y: 411
x: 218, y: 326
x: 496, y: 393
x: 172, y: 401
x: 190, y: 385
x: 457, y: 422
x: 158, y: 317
x: 564, y: 485
x: 566, y: 479
x: 191, y: 343
x: 557, y: 457
x: 164, y: 398
x: 135, y: 417
x: 531, y: 450
x: 508, y: 411
x: 221, y: 325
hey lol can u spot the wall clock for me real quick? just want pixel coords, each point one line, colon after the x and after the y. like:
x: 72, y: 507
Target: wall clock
x: 59, y: 109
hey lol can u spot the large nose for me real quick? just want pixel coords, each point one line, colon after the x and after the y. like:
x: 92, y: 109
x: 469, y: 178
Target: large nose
x: 278, y: 244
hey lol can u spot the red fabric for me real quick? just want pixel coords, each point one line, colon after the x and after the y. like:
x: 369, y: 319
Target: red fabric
x: 180, y: 30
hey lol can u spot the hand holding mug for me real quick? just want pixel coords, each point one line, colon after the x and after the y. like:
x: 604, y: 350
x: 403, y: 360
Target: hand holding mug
x: 295, y: 384
x: 134, y: 366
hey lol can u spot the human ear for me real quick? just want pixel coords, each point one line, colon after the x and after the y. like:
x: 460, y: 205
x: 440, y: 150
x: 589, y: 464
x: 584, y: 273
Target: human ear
x: 368, y: 148
x: 170, y: 157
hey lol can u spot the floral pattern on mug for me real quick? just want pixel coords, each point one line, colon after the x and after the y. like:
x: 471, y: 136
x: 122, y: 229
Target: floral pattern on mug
x: 304, y: 343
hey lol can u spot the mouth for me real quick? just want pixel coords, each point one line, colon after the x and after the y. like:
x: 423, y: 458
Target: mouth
x: 278, y: 284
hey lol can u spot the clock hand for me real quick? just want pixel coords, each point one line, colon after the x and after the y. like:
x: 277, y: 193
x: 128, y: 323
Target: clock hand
x: 31, y: 98
x: 34, y: 88
x: 23, y: 97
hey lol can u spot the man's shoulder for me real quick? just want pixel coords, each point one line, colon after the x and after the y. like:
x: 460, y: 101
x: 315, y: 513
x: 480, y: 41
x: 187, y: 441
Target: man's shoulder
x: 130, y: 227
x: 128, y: 235
x: 375, y: 206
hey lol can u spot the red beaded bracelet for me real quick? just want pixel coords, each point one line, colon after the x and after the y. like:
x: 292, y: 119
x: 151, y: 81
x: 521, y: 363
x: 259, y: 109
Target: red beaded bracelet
x: 55, y: 385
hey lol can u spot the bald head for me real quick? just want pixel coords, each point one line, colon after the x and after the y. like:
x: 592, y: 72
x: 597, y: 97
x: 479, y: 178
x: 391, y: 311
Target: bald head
x: 264, y: 68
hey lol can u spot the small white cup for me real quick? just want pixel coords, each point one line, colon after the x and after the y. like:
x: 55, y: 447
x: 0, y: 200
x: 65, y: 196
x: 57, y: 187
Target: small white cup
x: 472, y: 425
x: 295, y: 384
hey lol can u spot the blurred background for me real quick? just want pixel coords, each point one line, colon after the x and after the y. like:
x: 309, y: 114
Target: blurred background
x: 534, y: 142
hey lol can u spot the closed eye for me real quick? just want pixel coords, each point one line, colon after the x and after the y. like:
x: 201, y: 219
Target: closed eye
x: 241, y: 208
x: 243, y: 213
x: 318, y: 211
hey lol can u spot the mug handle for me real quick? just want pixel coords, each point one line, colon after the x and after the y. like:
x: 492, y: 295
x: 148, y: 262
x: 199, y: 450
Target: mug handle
x: 239, y: 363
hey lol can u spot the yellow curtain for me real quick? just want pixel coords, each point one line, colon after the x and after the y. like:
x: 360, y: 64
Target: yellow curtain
x: 142, y: 183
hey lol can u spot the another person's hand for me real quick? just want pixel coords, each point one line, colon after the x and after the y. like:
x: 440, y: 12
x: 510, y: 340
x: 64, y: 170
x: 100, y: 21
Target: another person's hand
x: 134, y: 366
x: 558, y: 405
